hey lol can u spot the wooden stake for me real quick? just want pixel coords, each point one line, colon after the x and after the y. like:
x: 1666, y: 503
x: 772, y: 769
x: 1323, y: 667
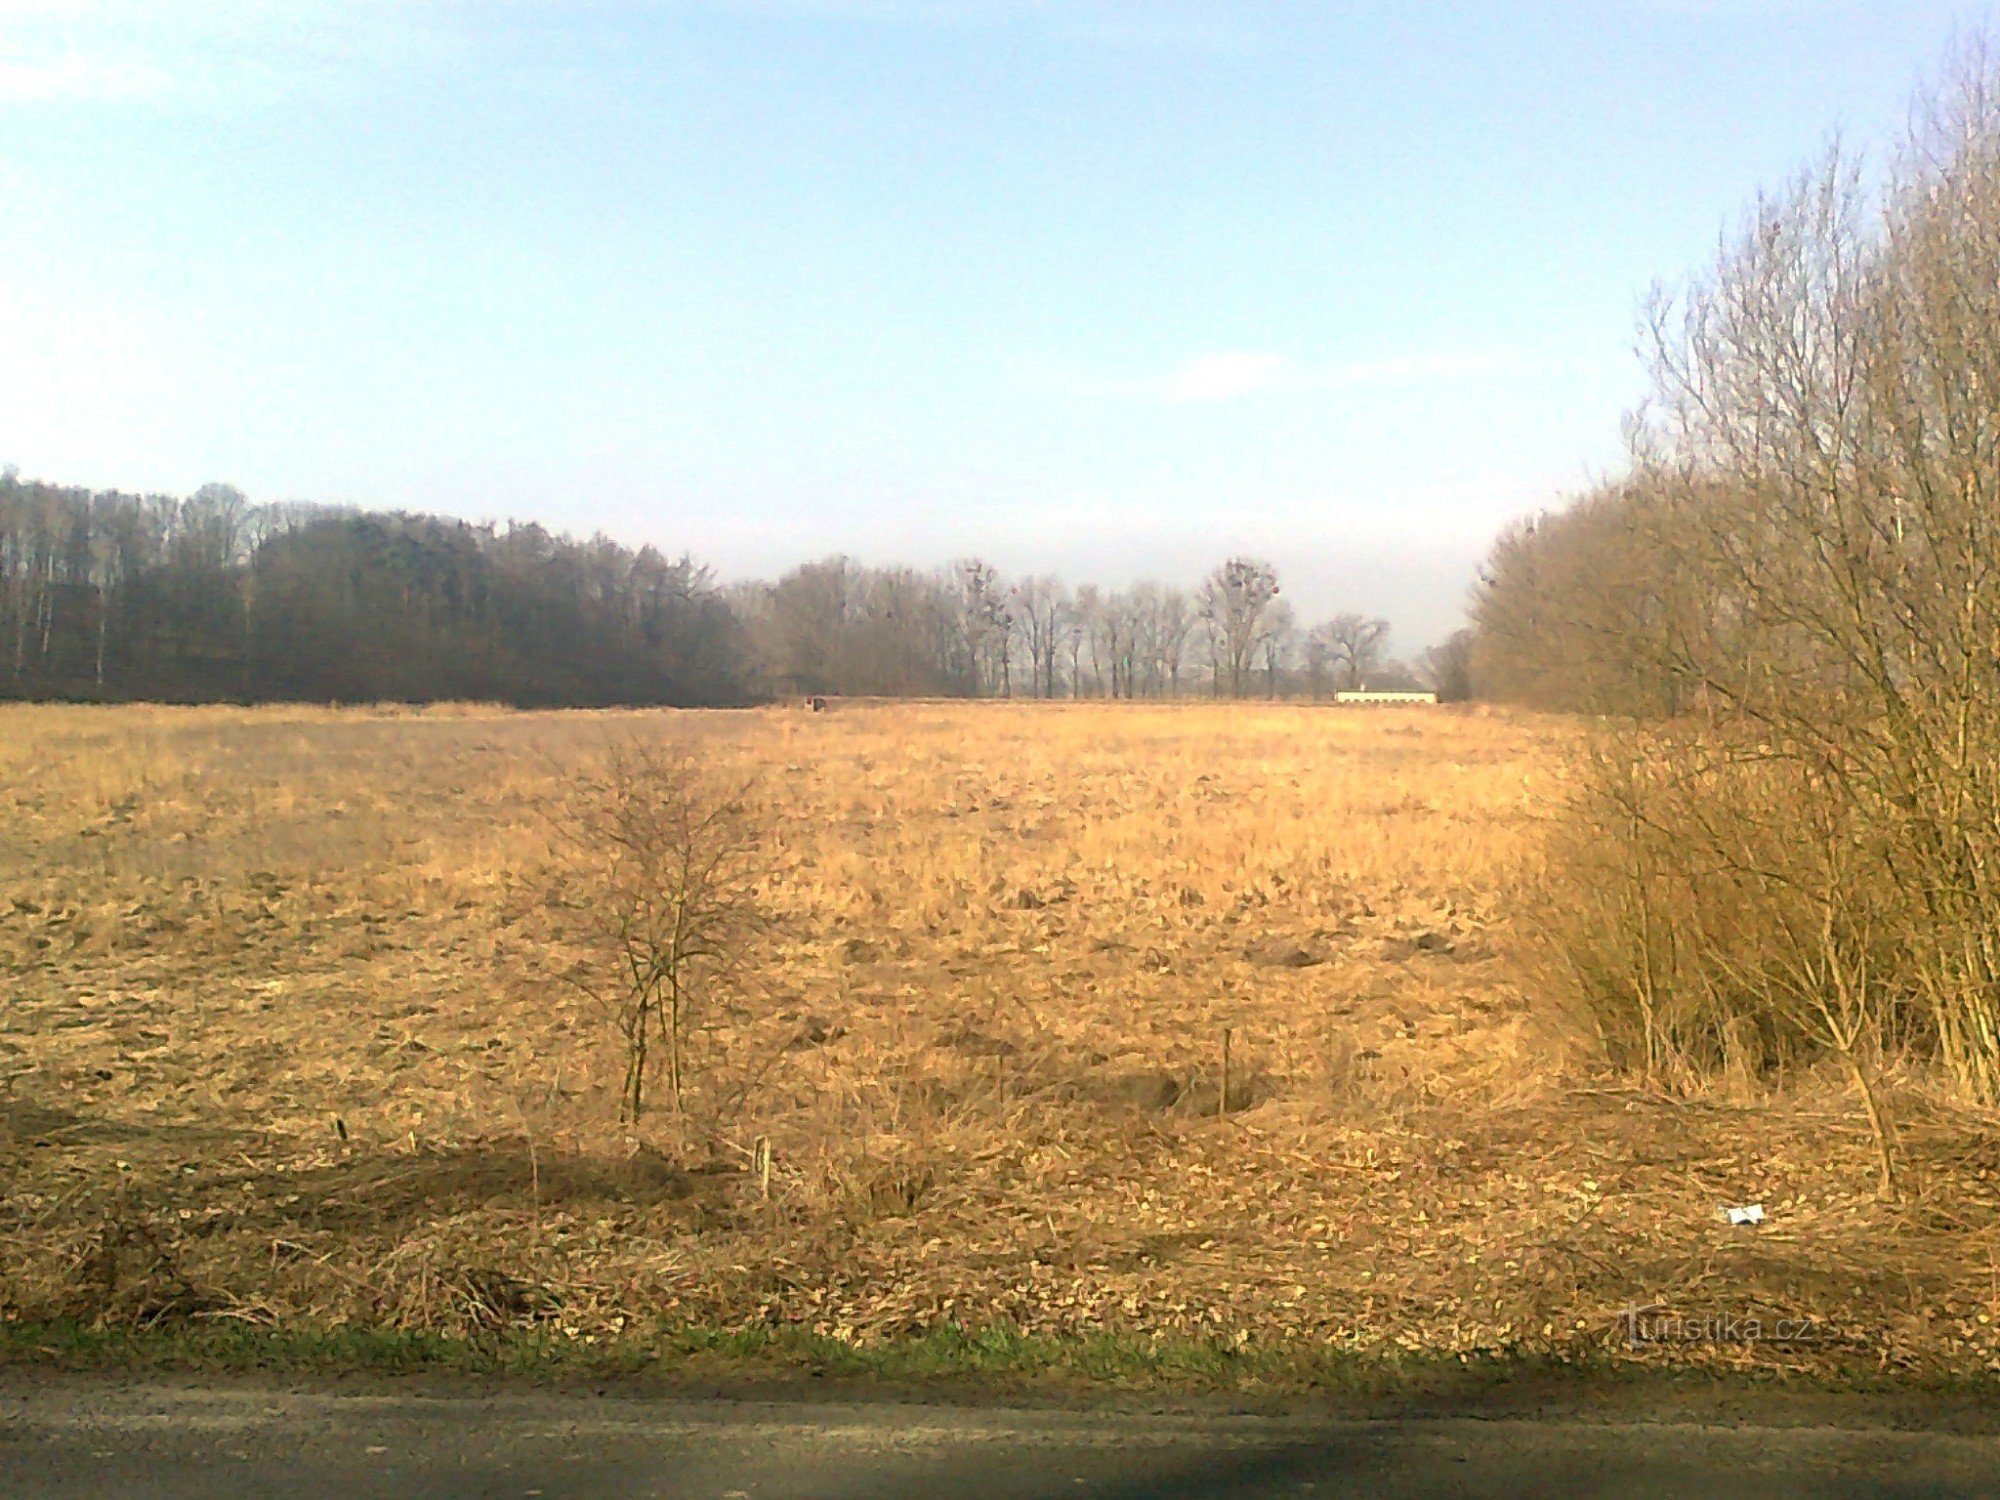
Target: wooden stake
x: 1222, y: 1104
x: 760, y: 1160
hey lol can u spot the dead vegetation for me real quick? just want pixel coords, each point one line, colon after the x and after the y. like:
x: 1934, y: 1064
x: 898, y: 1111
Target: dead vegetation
x: 653, y: 907
x: 1787, y: 859
x: 279, y: 1042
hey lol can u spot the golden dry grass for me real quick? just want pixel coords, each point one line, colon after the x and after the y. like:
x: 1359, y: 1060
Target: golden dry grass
x: 984, y: 1044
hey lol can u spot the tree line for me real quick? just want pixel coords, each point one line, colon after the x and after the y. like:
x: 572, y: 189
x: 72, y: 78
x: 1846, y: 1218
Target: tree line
x: 836, y: 626
x: 1789, y: 603
x: 112, y: 596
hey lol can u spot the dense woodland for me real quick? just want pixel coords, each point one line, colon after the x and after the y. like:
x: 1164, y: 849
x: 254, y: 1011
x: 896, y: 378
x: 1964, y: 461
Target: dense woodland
x: 114, y: 596
x: 110, y: 596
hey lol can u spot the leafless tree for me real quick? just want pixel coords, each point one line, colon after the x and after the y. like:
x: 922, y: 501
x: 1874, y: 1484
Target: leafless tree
x: 656, y: 901
x: 989, y: 625
x: 1446, y: 668
x: 1113, y: 648
x: 1085, y: 630
x: 1798, y: 582
x: 808, y: 612
x: 1280, y: 633
x: 1235, y: 600
x: 1041, y: 609
x: 1169, y: 617
x: 1352, y: 646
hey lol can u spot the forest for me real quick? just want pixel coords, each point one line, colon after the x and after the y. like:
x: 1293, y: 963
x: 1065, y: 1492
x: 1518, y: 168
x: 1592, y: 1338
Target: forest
x: 106, y: 596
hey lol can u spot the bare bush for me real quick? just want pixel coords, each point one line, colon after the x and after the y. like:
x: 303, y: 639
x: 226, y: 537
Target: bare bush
x: 1800, y: 578
x: 1716, y: 915
x: 657, y: 902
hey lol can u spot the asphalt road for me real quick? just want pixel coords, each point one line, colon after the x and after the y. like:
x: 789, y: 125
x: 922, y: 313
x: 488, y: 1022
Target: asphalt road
x: 92, y: 1437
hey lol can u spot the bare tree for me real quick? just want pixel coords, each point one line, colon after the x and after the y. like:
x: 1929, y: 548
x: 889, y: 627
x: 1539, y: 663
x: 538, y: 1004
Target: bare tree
x: 808, y: 611
x: 1352, y: 645
x: 1446, y: 668
x: 1113, y: 647
x: 1234, y: 602
x: 989, y: 625
x: 1173, y: 618
x: 1086, y: 628
x: 1041, y: 608
x: 1280, y: 631
x: 657, y: 900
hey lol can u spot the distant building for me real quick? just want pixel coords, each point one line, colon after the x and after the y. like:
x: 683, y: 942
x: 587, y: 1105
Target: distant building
x: 1364, y: 696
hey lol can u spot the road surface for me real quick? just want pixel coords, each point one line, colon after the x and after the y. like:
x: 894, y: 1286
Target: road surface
x: 74, y: 1436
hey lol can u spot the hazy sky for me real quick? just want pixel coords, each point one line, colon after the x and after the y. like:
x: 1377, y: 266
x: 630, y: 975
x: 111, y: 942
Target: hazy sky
x: 1107, y: 287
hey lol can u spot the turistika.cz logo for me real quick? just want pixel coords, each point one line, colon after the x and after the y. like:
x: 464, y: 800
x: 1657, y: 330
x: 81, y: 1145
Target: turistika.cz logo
x: 1656, y: 1325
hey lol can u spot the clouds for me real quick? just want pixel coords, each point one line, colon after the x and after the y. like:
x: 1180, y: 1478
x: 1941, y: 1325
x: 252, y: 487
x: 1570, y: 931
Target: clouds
x: 1225, y: 377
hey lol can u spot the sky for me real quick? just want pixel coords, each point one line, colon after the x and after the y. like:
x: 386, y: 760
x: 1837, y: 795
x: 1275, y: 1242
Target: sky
x: 1109, y: 288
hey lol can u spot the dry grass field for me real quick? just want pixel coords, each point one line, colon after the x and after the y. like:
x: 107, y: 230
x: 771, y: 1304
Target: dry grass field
x: 277, y: 1045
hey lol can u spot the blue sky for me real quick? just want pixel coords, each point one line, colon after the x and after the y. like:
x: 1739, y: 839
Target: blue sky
x: 1108, y: 288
